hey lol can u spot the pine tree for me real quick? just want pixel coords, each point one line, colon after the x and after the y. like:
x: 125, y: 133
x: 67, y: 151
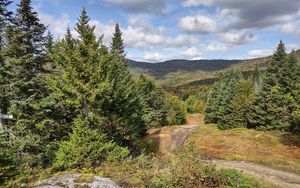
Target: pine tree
x: 49, y: 44
x: 5, y: 19
x: 78, y: 69
x: 117, y: 45
x: 296, y: 109
x: 5, y: 22
x: 87, y: 148
x: 272, y: 105
x: 153, y: 100
x: 240, y: 105
x: 25, y: 56
x: 92, y: 83
x: 219, y: 99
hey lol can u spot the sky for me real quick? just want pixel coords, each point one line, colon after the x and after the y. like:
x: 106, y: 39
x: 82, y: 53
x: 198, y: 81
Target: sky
x: 159, y: 30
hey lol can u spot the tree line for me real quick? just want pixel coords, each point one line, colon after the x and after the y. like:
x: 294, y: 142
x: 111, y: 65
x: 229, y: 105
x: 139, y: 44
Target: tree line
x: 266, y: 102
x: 74, y: 100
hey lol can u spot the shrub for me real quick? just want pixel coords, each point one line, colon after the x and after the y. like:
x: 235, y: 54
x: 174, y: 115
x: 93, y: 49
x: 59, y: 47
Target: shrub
x: 176, y: 110
x: 9, y: 159
x: 87, y: 148
x: 188, y: 169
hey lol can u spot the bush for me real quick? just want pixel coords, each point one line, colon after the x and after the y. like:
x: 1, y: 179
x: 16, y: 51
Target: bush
x: 87, y: 148
x: 133, y: 172
x: 9, y: 158
x: 188, y: 169
x: 176, y: 110
x: 183, y: 169
x: 233, y: 178
x: 195, y: 103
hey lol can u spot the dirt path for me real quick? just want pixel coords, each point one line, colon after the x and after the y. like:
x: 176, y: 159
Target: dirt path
x: 278, y: 177
x: 173, y: 137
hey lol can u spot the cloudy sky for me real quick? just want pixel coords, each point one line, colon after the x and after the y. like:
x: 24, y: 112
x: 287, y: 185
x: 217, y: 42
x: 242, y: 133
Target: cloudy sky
x: 157, y: 30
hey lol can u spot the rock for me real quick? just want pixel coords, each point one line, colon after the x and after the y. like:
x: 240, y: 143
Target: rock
x: 76, y: 181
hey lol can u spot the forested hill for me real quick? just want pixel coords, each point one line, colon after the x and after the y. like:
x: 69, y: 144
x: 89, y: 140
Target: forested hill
x: 161, y: 69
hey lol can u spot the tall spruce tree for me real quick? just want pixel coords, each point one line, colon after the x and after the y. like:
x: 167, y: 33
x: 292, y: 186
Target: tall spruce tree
x: 273, y: 105
x: 5, y: 22
x: 95, y: 85
x: 240, y: 105
x: 25, y: 56
x: 117, y: 44
x: 153, y: 101
x: 220, y: 96
x: 5, y: 19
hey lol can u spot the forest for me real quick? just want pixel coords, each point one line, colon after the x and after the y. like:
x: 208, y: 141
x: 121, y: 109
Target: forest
x: 76, y: 106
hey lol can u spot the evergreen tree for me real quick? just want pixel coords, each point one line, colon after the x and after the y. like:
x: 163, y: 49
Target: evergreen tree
x: 49, y: 43
x: 117, y: 45
x: 153, y: 100
x: 25, y: 56
x: 213, y: 103
x: 176, y: 110
x: 5, y: 22
x: 5, y: 19
x: 220, y: 96
x: 274, y: 101
x: 296, y: 109
x: 92, y: 83
x: 241, y: 104
x: 87, y: 148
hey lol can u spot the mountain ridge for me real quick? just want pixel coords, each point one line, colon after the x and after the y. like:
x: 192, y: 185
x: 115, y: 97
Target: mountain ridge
x: 160, y: 69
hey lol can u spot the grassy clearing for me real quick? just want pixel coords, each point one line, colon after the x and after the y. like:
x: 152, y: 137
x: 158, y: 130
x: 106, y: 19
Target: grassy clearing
x: 276, y: 150
x: 182, y: 169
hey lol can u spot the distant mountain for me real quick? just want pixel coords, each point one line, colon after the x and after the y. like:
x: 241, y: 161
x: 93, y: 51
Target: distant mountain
x: 160, y: 70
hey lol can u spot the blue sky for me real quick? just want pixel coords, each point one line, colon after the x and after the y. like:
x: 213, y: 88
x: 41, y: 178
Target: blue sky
x: 158, y: 30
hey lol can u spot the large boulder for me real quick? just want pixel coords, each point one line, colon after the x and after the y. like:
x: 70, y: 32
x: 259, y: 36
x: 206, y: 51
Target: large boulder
x: 76, y: 181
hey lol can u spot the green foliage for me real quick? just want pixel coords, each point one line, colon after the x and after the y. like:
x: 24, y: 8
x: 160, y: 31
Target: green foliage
x: 188, y: 170
x: 117, y: 46
x: 176, y: 110
x: 153, y: 101
x: 9, y: 158
x: 270, y: 104
x: 220, y: 96
x: 5, y: 21
x: 276, y: 100
x: 90, y: 81
x: 196, y: 103
x: 23, y: 88
x: 240, y: 105
x: 233, y: 178
x: 87, y: 148
x: 183, y: 169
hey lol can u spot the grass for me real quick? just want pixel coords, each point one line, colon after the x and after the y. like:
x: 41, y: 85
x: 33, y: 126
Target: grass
x: 276, y: 150
x: 86, y: 178
x: 182, y: 169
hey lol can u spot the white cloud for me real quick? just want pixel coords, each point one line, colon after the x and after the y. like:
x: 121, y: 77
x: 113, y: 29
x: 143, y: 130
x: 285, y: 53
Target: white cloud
x: 254, y: 13
x: 191, y: 53
x: 260, y: 53
x: 198, y: 24
x: 292, y: 28
x: 237, y: 38
x: 58, y: 26
x: 150, y: 6
x: 291, y: 47
x: 153, y: 57
x: 219, y: 47
x: 192, y: 3
x: 146, y: 36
